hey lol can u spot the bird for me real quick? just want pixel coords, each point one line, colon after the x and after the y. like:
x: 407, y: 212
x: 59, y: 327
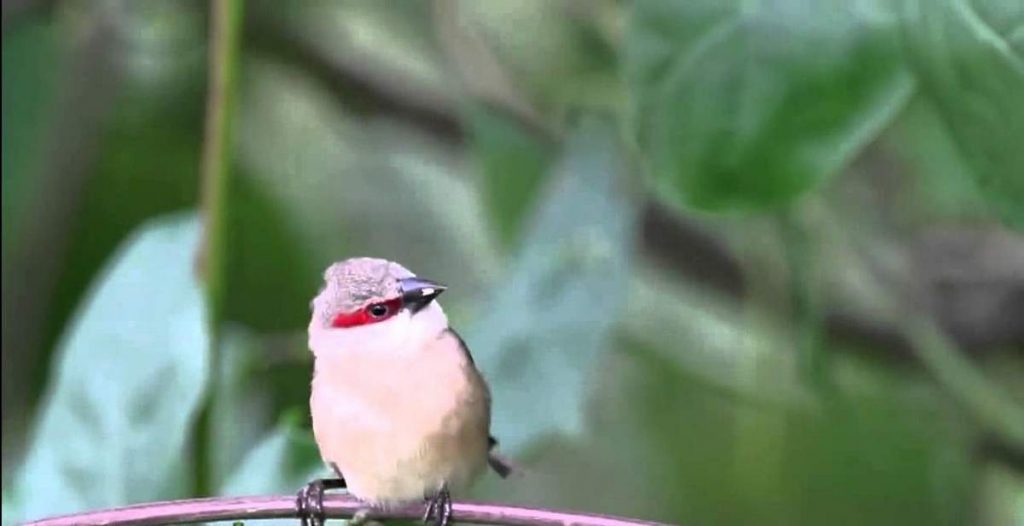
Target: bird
x: 399, y: 410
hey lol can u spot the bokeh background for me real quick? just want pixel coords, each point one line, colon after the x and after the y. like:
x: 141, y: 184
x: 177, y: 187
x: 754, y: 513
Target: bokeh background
x: 723, y: 262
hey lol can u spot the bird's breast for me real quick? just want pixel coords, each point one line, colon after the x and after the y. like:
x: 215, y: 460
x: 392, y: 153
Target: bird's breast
x: 399, y: 425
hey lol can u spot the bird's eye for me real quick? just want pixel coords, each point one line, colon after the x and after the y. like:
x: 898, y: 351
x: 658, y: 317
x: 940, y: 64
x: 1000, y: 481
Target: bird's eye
x: 373, y: 313
x: 379, y: 310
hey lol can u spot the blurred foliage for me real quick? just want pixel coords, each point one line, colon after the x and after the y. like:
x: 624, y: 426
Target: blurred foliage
x: 969, y: 63
x: 512, y: 163
x: 116, y: 423
x: 27, y: 50
x: 691, y: 244
x: 557, y: 304
x: 741, y: 107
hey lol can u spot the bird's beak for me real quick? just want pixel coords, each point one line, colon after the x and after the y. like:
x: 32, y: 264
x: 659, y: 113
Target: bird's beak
x: 418, y: 293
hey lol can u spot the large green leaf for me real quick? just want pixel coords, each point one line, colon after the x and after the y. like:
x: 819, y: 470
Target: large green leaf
x: 129, y: 378
x: 550, y: 316
x: 743, y: 105
x: 969, y: 57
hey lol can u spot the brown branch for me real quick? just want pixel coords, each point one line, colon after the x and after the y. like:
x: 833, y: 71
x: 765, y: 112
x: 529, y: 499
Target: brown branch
x: 335, y: 506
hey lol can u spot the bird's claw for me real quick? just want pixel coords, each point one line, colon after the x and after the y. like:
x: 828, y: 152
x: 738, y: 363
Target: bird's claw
x: 439, y: 508
x: 310, y: 504
x: 310, y: 501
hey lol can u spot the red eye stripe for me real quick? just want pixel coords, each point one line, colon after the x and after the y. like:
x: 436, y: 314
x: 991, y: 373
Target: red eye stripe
x: 368, y: 315
x: 351, y: 319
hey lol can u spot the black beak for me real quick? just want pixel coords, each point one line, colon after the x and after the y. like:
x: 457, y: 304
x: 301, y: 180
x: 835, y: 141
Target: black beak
x: 418, y: 293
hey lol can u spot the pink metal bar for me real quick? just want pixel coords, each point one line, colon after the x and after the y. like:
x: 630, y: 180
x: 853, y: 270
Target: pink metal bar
x: 336, y: 507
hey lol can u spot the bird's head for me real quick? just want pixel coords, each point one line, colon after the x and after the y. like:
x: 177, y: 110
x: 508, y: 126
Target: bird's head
x: 373, y: 303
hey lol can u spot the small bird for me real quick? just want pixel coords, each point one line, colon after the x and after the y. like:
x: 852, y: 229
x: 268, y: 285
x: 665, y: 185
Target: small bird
x: 400, y: 411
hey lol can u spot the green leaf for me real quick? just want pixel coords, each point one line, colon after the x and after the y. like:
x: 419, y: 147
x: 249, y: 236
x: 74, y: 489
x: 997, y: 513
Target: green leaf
x: 943, y: 188
x: 128, y: 381
x: 552, y: 312
x: 743, y: 106
x: 513, y: 162
x: 969, y: 57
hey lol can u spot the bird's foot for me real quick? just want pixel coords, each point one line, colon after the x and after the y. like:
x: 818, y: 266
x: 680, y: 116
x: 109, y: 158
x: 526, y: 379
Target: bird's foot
x: 439, y: 508
x: 310, y: 500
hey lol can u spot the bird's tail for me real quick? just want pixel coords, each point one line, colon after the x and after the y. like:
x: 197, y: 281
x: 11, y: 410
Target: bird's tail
x: 501, y: 465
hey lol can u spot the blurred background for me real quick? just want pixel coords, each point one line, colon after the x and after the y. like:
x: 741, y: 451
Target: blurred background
x: 722, y: 262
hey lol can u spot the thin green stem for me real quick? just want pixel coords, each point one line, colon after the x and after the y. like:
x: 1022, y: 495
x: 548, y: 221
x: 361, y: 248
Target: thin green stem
x: 993, y: 408
x: 804, y: 297
x: 760, y: 436
x: 986, y: 401
x: 225, y: 44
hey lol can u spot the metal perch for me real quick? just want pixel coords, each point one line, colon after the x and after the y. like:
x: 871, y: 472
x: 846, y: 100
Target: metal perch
x: 336, y: 507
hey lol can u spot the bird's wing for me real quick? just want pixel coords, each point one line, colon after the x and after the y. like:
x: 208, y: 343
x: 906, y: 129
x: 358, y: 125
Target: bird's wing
x: 502, y: 466
x: 462, y: 345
